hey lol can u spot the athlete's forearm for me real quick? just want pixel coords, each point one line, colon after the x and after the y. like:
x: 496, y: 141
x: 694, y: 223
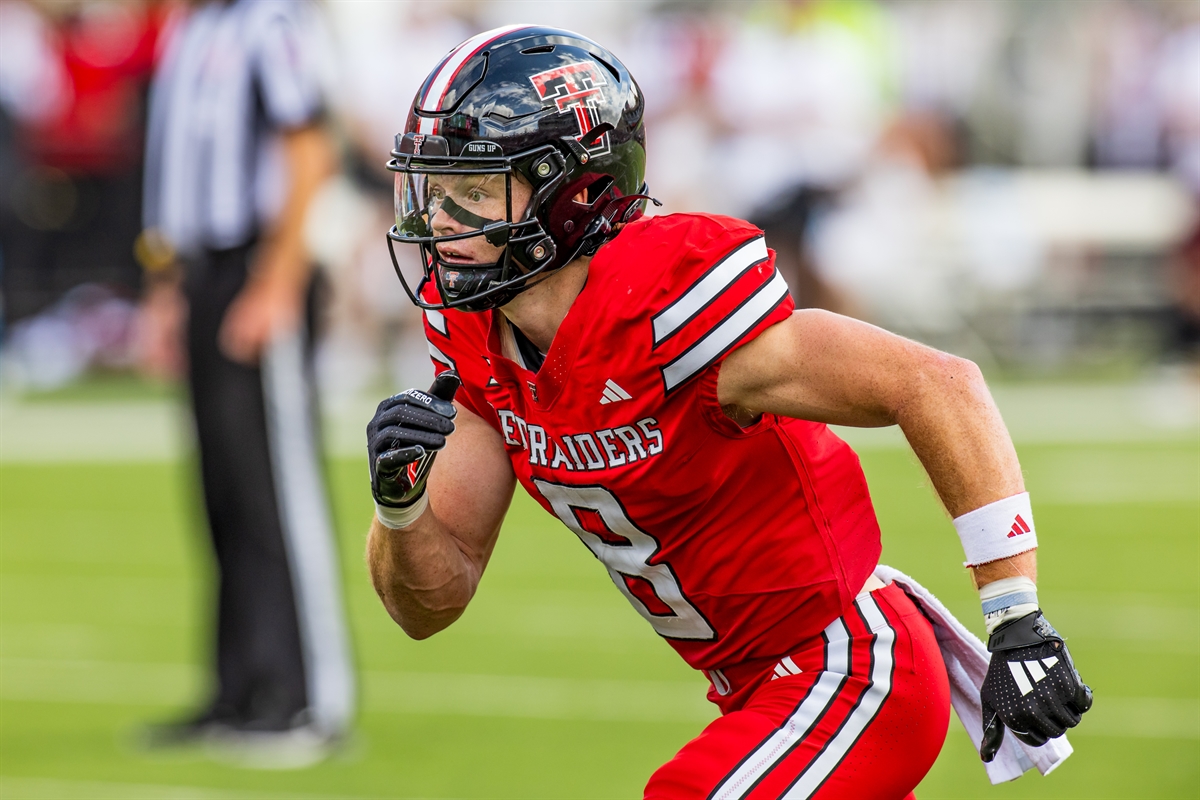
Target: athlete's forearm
x: 421, y: 574
x: 1022, y: 565
x: 828, y: 368
x: 955, y: 429
x: 427, y: 571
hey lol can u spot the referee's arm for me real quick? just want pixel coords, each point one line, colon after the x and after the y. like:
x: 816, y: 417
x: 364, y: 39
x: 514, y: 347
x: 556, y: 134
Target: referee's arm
x: 273, y: 298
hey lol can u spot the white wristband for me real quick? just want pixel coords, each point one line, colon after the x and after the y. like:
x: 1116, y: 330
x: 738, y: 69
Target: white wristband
x: 398, y: 518
x: 998, y: 530
x: 1005, y: 599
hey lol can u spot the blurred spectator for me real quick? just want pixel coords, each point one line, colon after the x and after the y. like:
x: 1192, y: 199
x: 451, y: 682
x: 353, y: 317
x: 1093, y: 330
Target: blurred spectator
x: 803, y: 93
x: 1128, y: 118
x: 1177, y: 84
x: 237, y: 150
x: 675, y: 52
x: 90, y: 327
x: 802, y: 89
x: 372, y: 323
x: 1034, y: 106
x: 1177, y: 79
x: 840, y: 126
x: 73, y: 78
x: 1184, y: 327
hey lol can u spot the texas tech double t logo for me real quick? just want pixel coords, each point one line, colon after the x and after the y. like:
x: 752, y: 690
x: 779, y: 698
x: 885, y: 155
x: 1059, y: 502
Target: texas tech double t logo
x: 576, y: 87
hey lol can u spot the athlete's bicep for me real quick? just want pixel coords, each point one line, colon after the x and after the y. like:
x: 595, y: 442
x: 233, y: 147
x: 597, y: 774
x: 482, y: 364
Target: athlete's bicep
x: 471, y: 485
x: 825, y: 367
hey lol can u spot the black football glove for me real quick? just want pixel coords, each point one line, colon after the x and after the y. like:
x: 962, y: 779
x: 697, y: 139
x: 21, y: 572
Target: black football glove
x: 1031, y: 686
x: 404, y: 436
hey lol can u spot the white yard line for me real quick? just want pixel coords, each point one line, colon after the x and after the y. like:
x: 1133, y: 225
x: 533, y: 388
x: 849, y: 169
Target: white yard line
x: 1164, y: 409
x: 54, y: 432
x: 515, y: 696
x: 507, y: 696
x: 1160, y: 409
x: 14, y: 788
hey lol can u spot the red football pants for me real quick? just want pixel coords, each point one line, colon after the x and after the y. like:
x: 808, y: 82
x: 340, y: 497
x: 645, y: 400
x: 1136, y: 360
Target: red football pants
x: 859, y: 712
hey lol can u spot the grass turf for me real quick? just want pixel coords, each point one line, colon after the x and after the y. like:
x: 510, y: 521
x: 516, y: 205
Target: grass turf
x: 550, y: 686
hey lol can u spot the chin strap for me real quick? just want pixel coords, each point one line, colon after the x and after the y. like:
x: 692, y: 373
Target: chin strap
x: 617, y: 212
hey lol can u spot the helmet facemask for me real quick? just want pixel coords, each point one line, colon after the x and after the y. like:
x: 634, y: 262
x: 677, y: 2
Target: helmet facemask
x: 474, y: 219
x: 542, y: 112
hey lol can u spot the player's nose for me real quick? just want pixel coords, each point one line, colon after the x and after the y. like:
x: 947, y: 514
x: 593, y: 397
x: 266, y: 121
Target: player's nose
x: 444, y: 225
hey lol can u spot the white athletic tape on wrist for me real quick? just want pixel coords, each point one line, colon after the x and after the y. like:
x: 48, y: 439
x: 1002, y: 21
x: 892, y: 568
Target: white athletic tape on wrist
x: 1005, y: 599
x: 399, y: 518
x: 998, y: 530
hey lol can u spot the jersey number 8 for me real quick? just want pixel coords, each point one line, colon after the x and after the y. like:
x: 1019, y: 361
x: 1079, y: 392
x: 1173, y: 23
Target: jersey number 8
x: 628, y: 557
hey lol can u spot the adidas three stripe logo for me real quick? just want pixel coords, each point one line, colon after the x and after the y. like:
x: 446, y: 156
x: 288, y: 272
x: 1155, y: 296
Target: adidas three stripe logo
x: 1019, y: 527
x: 1034, y: 669
x: 785, y: 668
x: 613, y: 393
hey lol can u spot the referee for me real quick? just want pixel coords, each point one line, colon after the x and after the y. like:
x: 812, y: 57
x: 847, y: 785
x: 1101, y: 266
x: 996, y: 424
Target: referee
x: 236, y: 150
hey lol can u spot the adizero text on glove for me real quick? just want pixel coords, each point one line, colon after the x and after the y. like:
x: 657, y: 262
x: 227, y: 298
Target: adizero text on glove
x: 404, y: 435
x: 1031, y: 686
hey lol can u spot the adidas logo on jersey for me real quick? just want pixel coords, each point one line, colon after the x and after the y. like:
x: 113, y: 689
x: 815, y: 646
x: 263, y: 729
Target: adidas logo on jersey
x: 1034, y: 670
x: 785, y: 668
x: 613, y: 393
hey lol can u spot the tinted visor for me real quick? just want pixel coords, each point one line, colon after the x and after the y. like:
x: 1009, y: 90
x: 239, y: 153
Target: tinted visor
x: 442, y: 204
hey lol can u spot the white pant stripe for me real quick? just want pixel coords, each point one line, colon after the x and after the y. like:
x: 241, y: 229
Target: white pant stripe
x: 308, y: 534
x: 837, y: 652
x: 882, y: 668
x: 837, y: 659
x: 739, y: 783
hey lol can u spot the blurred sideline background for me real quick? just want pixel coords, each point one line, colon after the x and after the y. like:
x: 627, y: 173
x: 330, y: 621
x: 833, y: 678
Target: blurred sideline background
x: 1014, y: 182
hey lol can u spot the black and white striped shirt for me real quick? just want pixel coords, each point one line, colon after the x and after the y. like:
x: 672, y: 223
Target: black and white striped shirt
x: 232, y: 75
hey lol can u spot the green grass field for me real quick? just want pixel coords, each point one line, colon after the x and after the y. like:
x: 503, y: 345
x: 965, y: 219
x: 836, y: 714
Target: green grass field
x: 551, y: 686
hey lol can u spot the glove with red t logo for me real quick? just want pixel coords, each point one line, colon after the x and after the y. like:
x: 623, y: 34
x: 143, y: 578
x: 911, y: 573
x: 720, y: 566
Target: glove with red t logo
x: 402, y: 439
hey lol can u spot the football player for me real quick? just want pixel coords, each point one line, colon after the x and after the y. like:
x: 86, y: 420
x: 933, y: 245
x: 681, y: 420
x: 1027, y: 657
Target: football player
x: 649, y: 383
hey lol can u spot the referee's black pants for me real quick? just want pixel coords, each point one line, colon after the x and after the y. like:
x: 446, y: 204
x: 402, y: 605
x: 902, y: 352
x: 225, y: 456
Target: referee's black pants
x: 281, y: 645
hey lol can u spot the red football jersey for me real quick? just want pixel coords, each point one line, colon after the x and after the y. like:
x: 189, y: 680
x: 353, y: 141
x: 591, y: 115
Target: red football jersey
x: 733, y: 542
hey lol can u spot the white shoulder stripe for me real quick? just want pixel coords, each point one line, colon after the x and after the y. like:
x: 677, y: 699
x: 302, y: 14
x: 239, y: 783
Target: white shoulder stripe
x: 704, y: 291
x: 441, y: 357
x: 437, y: 321
x: 727, y: 333
x: 458, y: 57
